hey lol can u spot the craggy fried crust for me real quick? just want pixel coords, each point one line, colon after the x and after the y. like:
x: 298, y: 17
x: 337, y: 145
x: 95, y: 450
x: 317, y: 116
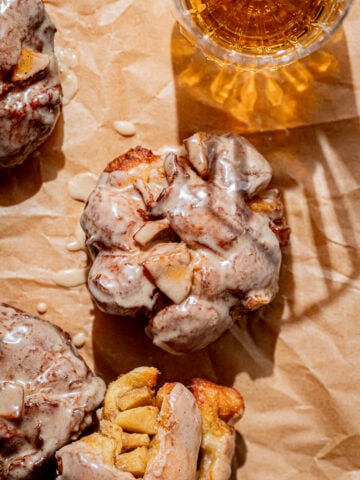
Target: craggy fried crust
x: 218, y: 404
x: 131, y: 159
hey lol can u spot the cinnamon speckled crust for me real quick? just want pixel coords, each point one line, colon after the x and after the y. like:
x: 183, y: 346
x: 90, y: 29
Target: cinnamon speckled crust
x: 29, y: 108
x: 47, y: 393
x: 198, y: 235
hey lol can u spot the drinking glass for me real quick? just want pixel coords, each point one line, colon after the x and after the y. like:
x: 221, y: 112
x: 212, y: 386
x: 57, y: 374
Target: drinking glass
x: 257, y: 34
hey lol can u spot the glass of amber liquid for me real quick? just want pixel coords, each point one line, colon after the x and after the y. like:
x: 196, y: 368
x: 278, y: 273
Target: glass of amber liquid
x: 258, y: 34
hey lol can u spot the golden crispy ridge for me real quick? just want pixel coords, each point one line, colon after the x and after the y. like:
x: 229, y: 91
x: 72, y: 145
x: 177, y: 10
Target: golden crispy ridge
x: 131, y: 159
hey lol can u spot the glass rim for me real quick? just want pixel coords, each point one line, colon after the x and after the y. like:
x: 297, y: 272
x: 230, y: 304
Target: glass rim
x: 219, y: 53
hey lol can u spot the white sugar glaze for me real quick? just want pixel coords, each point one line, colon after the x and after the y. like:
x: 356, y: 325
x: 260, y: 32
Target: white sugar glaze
x: 125, y: 128
x: 67, y: 60
x: 41, y: 307
x: 71, y: 277
x: 79, y: 242
x: 79, y: 339
x: 80, y: 186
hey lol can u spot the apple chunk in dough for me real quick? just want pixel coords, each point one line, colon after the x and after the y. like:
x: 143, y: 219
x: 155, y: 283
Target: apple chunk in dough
x: 148, y: 232
x: 171, y: 272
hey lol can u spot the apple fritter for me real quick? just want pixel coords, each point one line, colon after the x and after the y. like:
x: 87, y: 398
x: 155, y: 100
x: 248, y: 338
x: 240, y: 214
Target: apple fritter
x: 172, y: 433
x: 186, y: 240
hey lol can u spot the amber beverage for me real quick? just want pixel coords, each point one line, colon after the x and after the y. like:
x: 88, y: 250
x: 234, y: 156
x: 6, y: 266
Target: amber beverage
x: 260, y: 32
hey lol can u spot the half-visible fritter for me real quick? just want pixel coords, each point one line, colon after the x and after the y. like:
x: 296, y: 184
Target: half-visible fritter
x: 157, y: 435
x: 47, y: 393
x: 30, y: 91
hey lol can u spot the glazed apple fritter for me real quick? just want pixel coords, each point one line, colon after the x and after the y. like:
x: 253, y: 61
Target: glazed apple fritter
x: 186, y: 240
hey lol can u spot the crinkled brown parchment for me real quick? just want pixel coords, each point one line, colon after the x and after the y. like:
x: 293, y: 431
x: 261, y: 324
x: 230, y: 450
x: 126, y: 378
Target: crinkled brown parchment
x: 297, y: 361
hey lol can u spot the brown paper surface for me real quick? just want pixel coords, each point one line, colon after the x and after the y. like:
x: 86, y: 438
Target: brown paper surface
x: 296, y: 361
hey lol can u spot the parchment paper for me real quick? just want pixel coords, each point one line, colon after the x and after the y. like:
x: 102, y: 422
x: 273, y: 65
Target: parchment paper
x: 297, y: 361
